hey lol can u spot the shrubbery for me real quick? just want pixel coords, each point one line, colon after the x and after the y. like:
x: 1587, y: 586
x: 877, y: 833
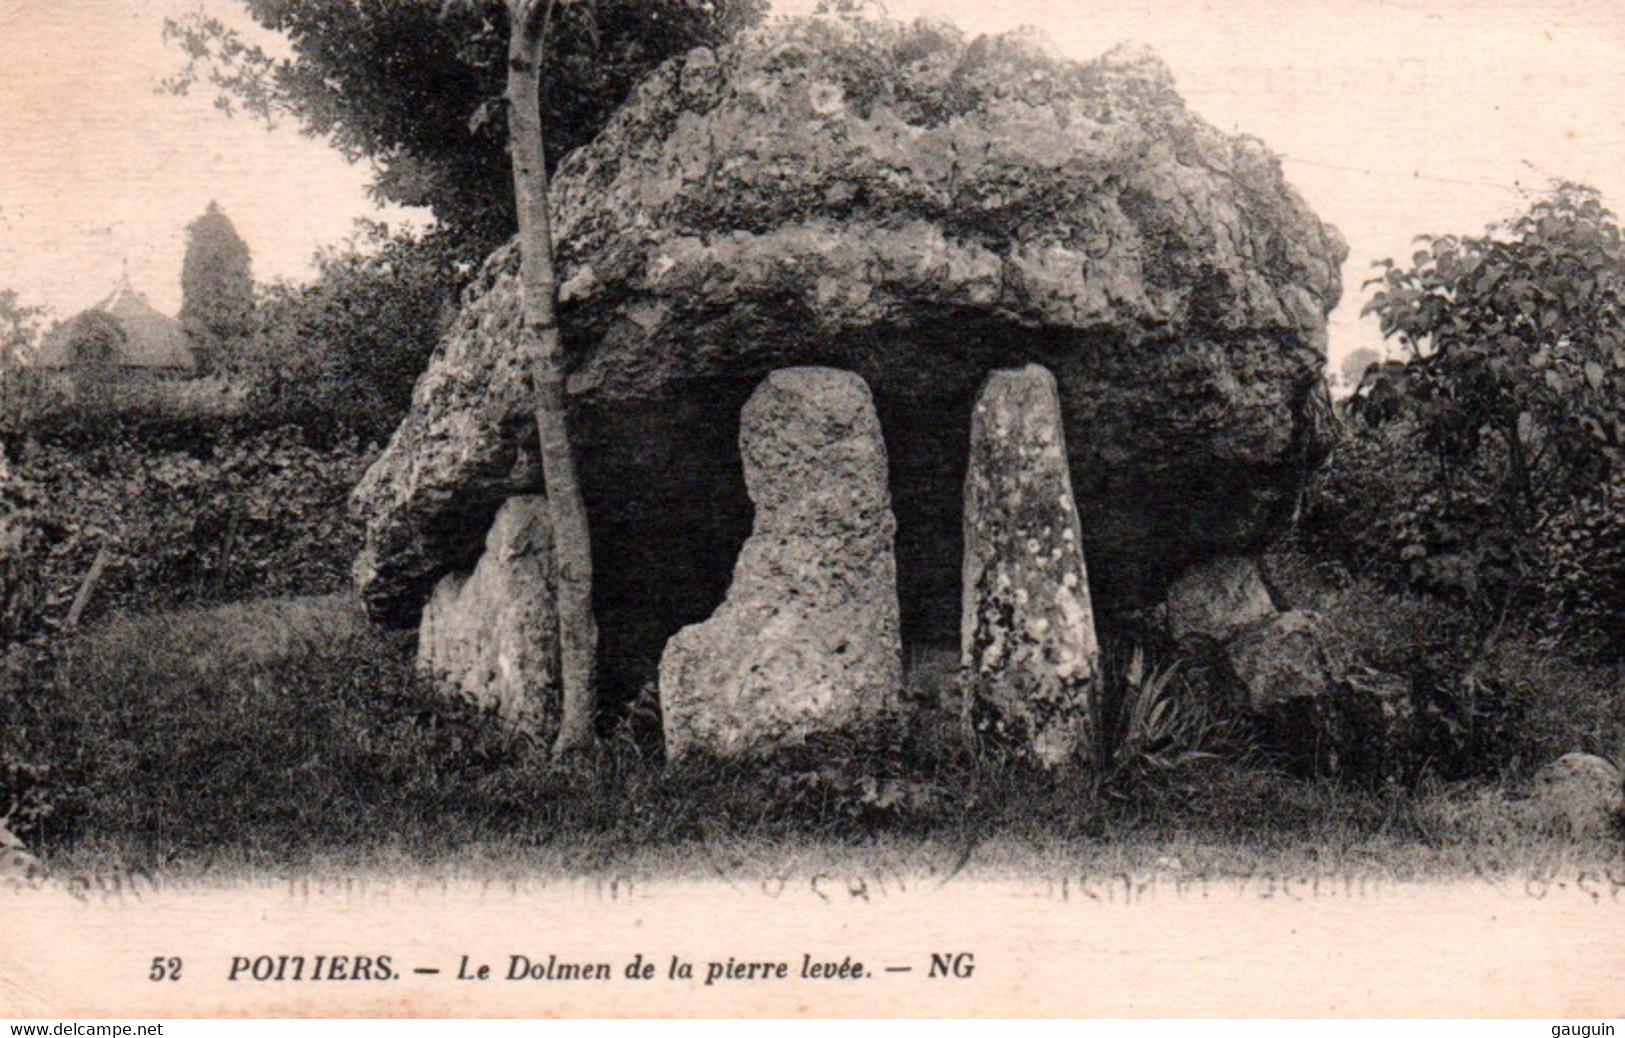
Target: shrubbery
x: 1387, y: 509
x: 1581, y: 574
x: 185, y: 515
x: 1493, y: 699
x: 1486, y: 468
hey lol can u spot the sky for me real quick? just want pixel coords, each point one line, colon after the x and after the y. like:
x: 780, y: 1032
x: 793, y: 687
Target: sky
x: 1392, y: 117
x: 97, y: 166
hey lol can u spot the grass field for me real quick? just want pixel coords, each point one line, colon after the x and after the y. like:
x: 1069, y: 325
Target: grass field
x: 206, y: 744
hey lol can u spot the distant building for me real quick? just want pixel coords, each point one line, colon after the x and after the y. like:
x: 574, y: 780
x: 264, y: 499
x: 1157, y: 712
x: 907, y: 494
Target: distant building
x: 152, y: 344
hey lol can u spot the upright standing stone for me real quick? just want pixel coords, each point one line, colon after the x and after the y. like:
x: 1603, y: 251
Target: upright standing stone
x: 493, y: 635
x: 807, y: 639
x: 1027, y: 639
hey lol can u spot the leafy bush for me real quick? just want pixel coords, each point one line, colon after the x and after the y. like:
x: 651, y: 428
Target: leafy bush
x: 1581, y: 549
x: 1491, y: 701
x: 1486, y: 476
x: 1386, y: 508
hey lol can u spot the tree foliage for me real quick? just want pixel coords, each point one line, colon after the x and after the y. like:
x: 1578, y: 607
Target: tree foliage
x: 416, y: 87
x: 217, y: 289
x: 341, y: 355
x: 19, y: 328
x: 1517, y: 343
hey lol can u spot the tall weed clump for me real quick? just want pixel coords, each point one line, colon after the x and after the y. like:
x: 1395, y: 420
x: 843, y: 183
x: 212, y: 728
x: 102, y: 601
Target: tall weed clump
x: 1157, y: 729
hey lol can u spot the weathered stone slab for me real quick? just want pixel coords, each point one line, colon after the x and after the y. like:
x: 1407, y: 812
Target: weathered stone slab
x: 1578, y: 794
x: 1218, y: 599
x: 1324, y: 714
x: 492, y: 635
x: 1028, y: 643
x: 807, y: 639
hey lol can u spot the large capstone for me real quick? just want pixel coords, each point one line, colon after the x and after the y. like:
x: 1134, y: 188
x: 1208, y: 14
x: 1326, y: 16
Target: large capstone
x: 1028, y: 644
x: 920, y: 209
x: 806, y: 641
x: 492, y: 635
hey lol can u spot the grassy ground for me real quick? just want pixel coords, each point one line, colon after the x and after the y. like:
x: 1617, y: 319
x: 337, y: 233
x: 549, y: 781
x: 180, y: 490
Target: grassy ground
x: 289, y: 734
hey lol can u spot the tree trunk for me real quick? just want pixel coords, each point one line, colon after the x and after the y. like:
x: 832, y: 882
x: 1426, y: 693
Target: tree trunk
x: 1522, y: 484
x: 572, y: 546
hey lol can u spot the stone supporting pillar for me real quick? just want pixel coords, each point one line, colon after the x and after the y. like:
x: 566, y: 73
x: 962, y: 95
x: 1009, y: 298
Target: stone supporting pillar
x: 493, y: 635
x: 807, y: 640
x: 1029, y: 654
